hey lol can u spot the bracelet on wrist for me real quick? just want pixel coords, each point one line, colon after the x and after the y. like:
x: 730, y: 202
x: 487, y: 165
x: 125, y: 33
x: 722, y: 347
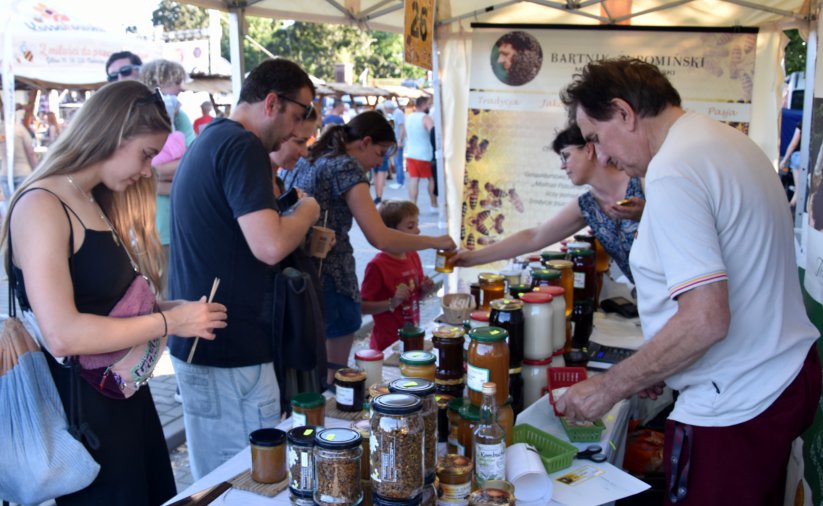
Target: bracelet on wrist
x: 165, y: 325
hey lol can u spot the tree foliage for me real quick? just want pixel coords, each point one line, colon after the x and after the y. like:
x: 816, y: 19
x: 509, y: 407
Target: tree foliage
x: 176, y: 16
x: 794, y: 58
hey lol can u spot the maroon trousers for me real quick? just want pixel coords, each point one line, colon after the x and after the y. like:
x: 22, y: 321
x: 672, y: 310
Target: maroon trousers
x: 743, y: 464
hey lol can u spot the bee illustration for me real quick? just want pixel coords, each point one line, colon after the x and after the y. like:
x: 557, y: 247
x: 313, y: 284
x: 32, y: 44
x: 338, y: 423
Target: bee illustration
x: 470, y: 242
x: 462, y: 231
x: 479, y: 222
x: 494, y: 190
x: 474, y: 185
x: 491, y: 203
x: 473, y: 200
x: 498, y: 223
x: 516, y: 202
x: 471, y: 148
x: 481, y: 149
x: 485, y: 241
x: 475, y: 111
x: 464, y: 210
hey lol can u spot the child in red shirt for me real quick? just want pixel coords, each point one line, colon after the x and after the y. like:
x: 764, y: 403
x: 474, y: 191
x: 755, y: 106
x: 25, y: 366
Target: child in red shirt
x: 394, y: 282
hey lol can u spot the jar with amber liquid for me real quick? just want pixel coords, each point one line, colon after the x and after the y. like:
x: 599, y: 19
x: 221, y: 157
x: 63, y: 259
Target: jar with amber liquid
x: 441, y: 261
x: 453, y: 441
x: 492, y: 286
x: 545, y: 277
x: 418, y: 364
x: 448, y: 341
x: 584, y: 274
x: 469, y: 417
x: 308, y: 408
x: 601, y: 265
x: 548, y: 256
x: 488, y: 360
x: 566, y: 281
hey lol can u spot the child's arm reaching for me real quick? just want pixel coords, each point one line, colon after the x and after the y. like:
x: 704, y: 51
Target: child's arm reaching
x: 376, y: 307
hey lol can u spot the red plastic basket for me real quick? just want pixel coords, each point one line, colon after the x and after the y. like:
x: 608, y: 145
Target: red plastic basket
x: 559, y: 377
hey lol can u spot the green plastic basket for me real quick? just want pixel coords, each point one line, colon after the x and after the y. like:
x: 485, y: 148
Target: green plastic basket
x: 583, y: 434
x: 554, y: 453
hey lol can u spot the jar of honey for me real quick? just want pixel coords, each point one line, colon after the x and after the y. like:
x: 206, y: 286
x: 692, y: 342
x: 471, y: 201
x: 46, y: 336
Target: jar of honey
x: 545, y: 277
x: 584, y: 274
x: 517, y: 291
x: 448, y: 341
x: 469, y: 417
x: 441, y: 261
x: 350, y: 389
x: 488, y: 360
x: 492, y: 286
x: 411, y: 337
x: 453, y: 441
x: 566, y: 281
x: 308, y: 408
x: 418, y: 364
x: 508, y: 314
x: 548, y: 256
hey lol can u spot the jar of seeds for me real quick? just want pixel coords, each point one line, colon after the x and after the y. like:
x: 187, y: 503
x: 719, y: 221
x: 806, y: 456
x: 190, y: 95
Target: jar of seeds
x: 337, y: 456
x: 424, y: 389
x: 397, y: 446
x: 300, y: 459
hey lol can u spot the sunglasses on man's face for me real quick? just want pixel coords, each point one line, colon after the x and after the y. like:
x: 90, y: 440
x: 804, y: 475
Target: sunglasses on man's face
x: 308, y: 108
x: 124, y: 71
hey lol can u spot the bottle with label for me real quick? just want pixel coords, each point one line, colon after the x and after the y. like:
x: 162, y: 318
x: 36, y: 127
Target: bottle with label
x: 489, y: 441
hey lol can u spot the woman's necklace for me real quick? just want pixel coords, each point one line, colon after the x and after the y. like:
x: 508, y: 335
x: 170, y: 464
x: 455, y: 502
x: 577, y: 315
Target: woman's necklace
x: 99, y: 209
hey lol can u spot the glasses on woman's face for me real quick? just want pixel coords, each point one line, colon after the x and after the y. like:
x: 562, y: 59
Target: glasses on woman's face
x: 565, y: 153
x: 124, y: 71
x: 308, y: 107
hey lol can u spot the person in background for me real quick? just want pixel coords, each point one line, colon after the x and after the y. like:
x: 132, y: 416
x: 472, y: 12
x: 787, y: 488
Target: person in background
x: 225, y: 225
x: 394, y: 283
x: 399, y: 120
x: 335, y: 117
x: 790, y: 167
x: 91, y: 199
x: 284, y: 159
x: 123, y: 66
x: 419, y: 151
x: 335, y: 174
x: 614, y: 224
x: 205, y: 108
x: 25, y: 159
x: 724, y: 327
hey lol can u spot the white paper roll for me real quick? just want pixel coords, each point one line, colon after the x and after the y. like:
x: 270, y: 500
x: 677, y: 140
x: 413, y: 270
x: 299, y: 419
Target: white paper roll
x: 525, y: 471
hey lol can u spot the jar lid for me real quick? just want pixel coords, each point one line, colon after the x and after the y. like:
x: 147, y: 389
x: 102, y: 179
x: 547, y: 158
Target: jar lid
x: 369, y: 355
x: 584, y: 238
x: 490, y: 496
x: 417, y: 357
x: 578, y: 245
x: 350, y: 375
x: 545, y: 361
x: 455, y: 465
x: 362, y: 427
x: 506, y: 305
x: 581, y: 252
x: 337, y: 439
x: 490, y: 277
x: 377, y: 500
x: 519, y: 288
x: 302, y: 436
x: 457, y: 403
x: 488, y: 334
x: 545, y: 274
x: 443, y: 400
x: 560, y: 264
x: 308, y: 400
x: 410, y: 331
x: 552, y: 255
x: 470, y: 412
x: 397, y: 404
x: 448, y: 332
x: 480, y: 315
x: 267, y: 437
x: 554, y: 291
x: 378, y: 389
x: 415, y: 386
x: 540, y: 297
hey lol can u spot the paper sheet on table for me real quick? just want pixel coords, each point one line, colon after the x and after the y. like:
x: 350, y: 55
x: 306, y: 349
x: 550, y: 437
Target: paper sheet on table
x: 614, y: 330
x: 611, y: 485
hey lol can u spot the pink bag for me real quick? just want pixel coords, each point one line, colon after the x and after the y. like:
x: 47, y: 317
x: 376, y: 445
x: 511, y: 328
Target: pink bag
x: 120, y: 374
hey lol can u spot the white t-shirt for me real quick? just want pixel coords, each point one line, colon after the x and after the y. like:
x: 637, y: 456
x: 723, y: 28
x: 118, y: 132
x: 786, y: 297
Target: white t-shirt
x: 715, y: 211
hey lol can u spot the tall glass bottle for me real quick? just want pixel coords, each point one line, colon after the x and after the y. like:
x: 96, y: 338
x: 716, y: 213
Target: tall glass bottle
x: 489, y: 440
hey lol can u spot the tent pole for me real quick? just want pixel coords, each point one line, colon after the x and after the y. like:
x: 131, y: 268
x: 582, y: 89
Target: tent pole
x: 806, y: 133
x: 237, y: 29
x: 438, y: 137
x: 8, y: 102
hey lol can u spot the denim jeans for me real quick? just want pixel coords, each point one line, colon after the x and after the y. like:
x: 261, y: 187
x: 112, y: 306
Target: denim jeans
x: 398, y: 166
x: 221, y: 406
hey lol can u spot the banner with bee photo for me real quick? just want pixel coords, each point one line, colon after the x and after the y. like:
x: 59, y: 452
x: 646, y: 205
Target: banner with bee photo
x: 512, y: 177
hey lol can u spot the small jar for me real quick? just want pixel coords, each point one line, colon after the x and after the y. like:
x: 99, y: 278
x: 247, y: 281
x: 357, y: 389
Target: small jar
x: 337, y: 455
x: 453, y: 444
x: 534, y: 379
x: 301, y: 461
x: 448, y: 341
x: 558, y: 319
x: 493, y: 287
x: 411, y: 337
x: 548, y: 256
x: 268, y: 455
x: 537, y: 326
x: 308, y: 408
x: 491, y: 497
x: 505, y: 417
x: 371, y: 361
x: 425, y: 391
x: 443, y: 401
x: 508, y: 314
x: 378, y: 389
x: 545, y: 277
x: 429, y: 495
x: 441, y: 261
x: 517, y: 291
x: 454, y: 474
x: 418, y: 364
x: 397, y: 434
x: 363, y: 427
x: 582, y: 323
x: 350, y: 389
x: 488, y: 360
x: 469, y: 417
x: 584, y: 274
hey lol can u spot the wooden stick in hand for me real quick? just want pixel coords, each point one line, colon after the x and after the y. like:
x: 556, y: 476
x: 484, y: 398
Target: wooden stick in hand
x: 214, y: 286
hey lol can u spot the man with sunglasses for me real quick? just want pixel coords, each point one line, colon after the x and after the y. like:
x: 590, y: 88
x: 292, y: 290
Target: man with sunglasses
x: 225, y: 224
x: 123, y: 66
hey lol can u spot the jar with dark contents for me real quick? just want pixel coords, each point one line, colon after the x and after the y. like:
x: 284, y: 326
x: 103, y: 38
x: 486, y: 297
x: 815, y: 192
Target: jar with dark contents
x: 449, y: 375
x: 584, y: 274
x: 350, y: 389
x: 301, y: 461
x: 443, y: 401
x: 396, y: 446
x: 337, y: 455
x: 508, y: 314
x: 582, y: 324
x: 411, y: 337
x: 516, y: 389
x: 454, y: 475
x: 548, y: 256
x: 425, y: 391
x: 545, y: 277
x: 474, y: 290
x: 517, y: 291
x: 493, y: 286
x: 488, y: 360
x: 308, y: 408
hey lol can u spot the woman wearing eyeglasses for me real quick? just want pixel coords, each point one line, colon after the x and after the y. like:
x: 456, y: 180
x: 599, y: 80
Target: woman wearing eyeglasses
x: 612, y: 208
x: 334, y: 173
x: 92, y: 200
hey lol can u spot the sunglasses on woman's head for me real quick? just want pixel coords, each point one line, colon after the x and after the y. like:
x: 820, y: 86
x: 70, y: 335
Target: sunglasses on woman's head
x: 124, y: 71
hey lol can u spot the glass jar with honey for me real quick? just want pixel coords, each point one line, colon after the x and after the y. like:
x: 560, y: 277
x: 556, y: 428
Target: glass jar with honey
x: 545, y: 277
x: 411, y: 337
x: 492, y: 286
x: 566, y: 281
x: 584, y: 274
x: 488, y: 360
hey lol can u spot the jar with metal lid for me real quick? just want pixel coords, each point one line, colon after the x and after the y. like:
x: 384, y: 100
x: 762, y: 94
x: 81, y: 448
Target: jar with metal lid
x: 493, y: 287
x: 545, y: 277
x: 505, y: 417
x: 548, y: 256
x: 441, y: 261
x: 455, y: 405
x: 301, y: 461
x: 397, y: 433
x: 363, y: 427
x: 538, y: 327
x: 454, y: 475
x: 418, y: 364
x: 371, y: 361
x: 268, y: 455
x: 411, y: 337
x: 534, y: 379
x: 443, y: 401
x: 469, y: 417
x: 491, y: 497
x: 337, y: 455
x: 425, y: 391
x: 448, y: 340
x: 308, y: 408
x: 582, y: 323
x: 508, y: 314
x: 517, y: 291
x: 558, y: 319
x: 350, y: 389
x: 566, y: 281
x: 488, y: 360
x: 584, y: 274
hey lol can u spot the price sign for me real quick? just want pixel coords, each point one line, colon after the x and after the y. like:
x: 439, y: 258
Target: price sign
x: 419, y: 30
